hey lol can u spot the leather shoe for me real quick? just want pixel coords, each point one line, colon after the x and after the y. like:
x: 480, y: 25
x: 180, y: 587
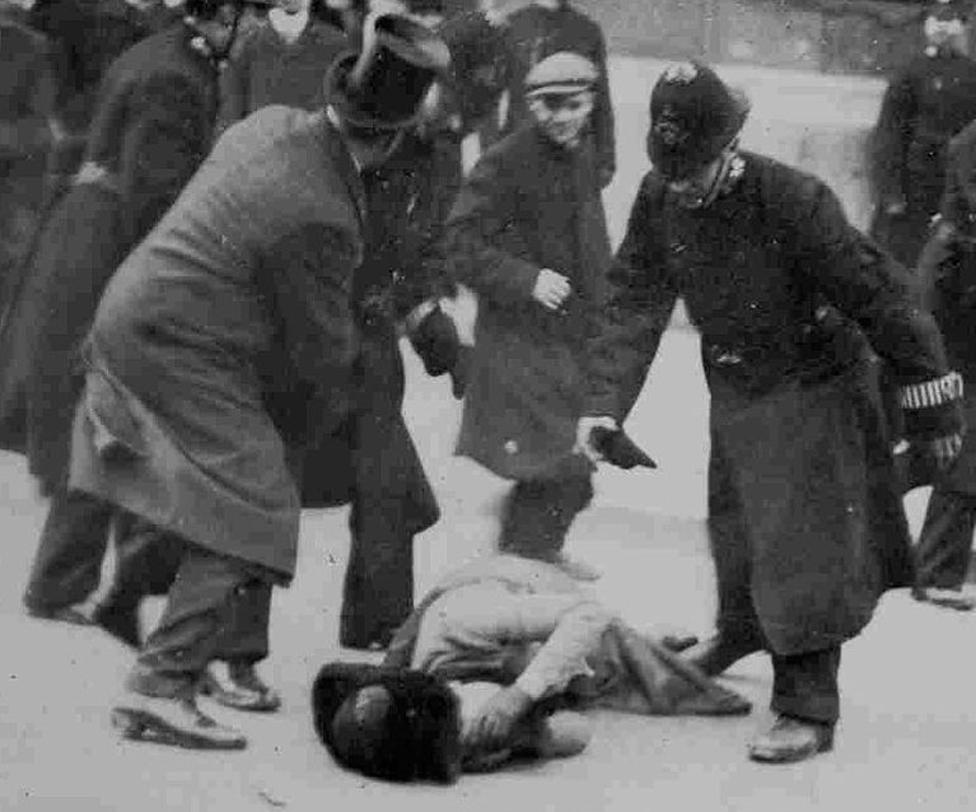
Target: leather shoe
x: 176, y: 721
x: 119, y: 620
x: 717, y: 653
x: 962, y: 600
x: 63, y: 614
x: 790, y: 739
x: 237, y: 685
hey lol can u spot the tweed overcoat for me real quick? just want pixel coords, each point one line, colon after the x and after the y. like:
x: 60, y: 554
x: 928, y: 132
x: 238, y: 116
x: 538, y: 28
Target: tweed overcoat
x: 226, y: 339
x: 152, y: 128
x: 529, y: 204
x: 801, y: 467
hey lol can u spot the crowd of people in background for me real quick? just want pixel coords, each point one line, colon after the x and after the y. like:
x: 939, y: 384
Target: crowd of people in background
x: 218, y: 218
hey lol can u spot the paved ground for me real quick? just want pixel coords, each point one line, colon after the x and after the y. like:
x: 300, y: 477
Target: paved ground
x: 906, y: 741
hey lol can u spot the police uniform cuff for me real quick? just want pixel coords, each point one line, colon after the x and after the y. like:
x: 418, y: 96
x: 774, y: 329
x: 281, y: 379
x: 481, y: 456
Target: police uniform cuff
x: 932, y: 408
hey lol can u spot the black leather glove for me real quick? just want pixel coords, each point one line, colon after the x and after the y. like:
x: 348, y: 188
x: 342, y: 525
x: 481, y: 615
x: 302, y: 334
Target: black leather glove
x: 618, y: 449
x: 436, y: 341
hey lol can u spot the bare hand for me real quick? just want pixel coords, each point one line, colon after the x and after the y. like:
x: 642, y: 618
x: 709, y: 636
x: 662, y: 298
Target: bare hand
x: 584, y: 429
x: 551, y: 289
x: 493, y: 725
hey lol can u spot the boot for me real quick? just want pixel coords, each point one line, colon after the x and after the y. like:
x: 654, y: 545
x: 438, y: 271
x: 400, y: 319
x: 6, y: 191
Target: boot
x: 237, y: 685
x: 791, y: 739
x: 176, y: 721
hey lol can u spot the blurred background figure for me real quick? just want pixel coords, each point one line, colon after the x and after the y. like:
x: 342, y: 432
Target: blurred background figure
x: 282, y: 62
x: 27, y: 131
x: 927, y: 102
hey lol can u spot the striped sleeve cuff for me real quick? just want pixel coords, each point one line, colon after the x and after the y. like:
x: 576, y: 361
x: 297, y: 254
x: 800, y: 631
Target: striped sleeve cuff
x: 932, y: 408
x: 936, y: 392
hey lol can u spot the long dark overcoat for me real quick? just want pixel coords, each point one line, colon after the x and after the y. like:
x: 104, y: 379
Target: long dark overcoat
x: 529, y: 204
x: 798, y: 436
x: 152, y: 128
x: 926, y: 103
x: 238, y: 299
x: 947, y: 276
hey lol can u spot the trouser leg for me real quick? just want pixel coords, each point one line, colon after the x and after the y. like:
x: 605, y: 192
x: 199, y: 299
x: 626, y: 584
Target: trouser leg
x: 198, y: 623
x: 805, y: 685
x: 68, y: 563
x: 537, y: 515
x: 731, y: 554
x: 378, y: 589
x: 945, y: 544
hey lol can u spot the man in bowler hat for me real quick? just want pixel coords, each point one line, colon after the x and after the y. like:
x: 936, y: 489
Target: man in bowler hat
x: 223, y: 346
x: 806, y: 523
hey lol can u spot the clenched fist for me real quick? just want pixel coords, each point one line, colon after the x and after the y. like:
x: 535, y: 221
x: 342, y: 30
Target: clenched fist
x: 551, y: 289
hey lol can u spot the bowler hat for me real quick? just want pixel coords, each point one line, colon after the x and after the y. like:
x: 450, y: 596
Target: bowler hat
x: 408, y: 730
x: 694, y: 116
x: 382, y: 87
x: 563, y: 73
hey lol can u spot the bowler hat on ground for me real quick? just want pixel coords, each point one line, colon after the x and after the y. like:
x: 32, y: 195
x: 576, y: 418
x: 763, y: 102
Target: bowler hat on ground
x: 383, y: 86
x: 391, y: 723
x: 694, y: 116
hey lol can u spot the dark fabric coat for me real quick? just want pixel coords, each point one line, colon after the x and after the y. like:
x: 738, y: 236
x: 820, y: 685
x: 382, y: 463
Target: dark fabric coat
x: 225, y: 339
x: 534, y: 33
x: 152, y: 128
x: 947, y: 276
x: 268, y: 70
x: 527, y: 205
x: 796, y: 411
x: 27, y: 88
x: 926, y: 103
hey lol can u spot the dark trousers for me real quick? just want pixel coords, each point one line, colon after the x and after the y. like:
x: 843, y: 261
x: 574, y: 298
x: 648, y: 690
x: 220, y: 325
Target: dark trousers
x: 804, y: 684
x: 537, y: 514
x: 68, y: 563
x: 218, y: 608
x: 944, y: 548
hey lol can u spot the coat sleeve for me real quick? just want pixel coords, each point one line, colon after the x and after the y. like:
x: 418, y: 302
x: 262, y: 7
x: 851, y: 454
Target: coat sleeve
x: 637, y: 304
x: 307, y: 280
x: 891, y: 138
x: 166, y: 139
x: 603, y: 120
x: 483, y: 218
x: 234, y: 101
x: 30, y: 133
x: 853, y: 274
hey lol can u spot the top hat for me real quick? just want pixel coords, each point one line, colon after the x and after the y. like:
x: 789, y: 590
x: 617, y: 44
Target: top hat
x: 694, y: 116
x: 383, y: 86
x: 409, y: 730
x: 563, y: 73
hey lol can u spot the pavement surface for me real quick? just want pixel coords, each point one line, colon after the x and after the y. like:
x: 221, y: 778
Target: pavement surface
x: 906, y: 739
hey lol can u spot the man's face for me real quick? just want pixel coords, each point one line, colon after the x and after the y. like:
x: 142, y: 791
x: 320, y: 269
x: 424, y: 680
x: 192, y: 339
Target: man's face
x: 562, y: 117
x: 221, y: 28
x: 941, y: 31
x: 690, y: 191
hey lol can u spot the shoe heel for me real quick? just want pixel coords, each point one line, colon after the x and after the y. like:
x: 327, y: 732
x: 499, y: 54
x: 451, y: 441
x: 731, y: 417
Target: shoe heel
x: 128, y: 724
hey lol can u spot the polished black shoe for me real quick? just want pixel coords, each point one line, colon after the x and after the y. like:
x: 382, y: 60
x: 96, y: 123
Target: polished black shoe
x: 175, y: 721
x: 237, y: 685
x: 63, y: 614
x: 120, y: 621
x: 790, y: 739
x: 717, y: 653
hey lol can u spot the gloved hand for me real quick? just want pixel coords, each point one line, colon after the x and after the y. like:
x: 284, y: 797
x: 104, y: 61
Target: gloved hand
x: 436, y: 341
x: 584, y: 435
x: 943, y: 450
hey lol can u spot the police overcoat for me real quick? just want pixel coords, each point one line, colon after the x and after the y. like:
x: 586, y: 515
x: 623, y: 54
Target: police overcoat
x: 529, y: 204
x: 926, y: 103
x: 947, y: 275
x: 152, y: 128
x: 237, y: 301
x: 800, y: 454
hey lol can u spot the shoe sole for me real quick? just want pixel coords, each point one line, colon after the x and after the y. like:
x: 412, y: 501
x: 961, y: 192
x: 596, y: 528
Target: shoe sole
x: 138, y: 725
x: 769, y: 757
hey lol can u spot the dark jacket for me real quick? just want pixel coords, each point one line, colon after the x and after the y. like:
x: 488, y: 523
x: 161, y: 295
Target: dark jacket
x: 27, y: 89
x: 534, y: 33
x: 795, y: 420
x: 528, y: 205
x: 947, y: 277
x: 238, y: 298
x: 151, y: 129
x: 267, y: 70
x: 926, y: 103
